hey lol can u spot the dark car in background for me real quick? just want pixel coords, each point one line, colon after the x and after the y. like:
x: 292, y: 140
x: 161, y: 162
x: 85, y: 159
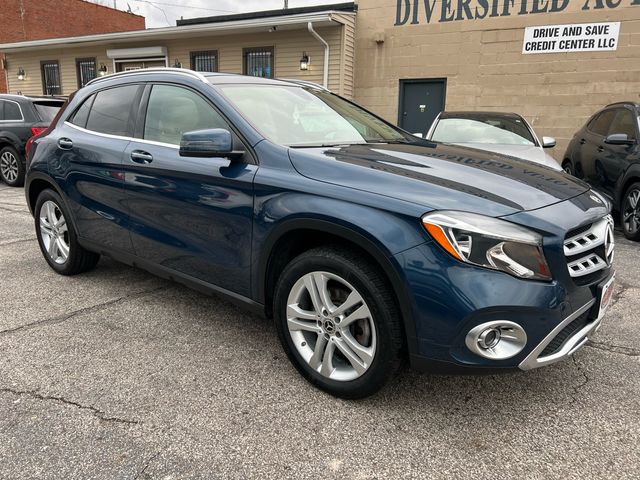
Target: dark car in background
x: 365, y: 244
x: 20, y: 119
x: 606, y: 154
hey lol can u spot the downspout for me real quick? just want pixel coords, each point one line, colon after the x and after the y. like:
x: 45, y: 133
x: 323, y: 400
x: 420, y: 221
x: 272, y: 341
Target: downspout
x: 325, y: 73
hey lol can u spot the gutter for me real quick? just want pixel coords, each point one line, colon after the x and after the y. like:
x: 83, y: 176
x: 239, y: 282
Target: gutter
x: 325, y: 73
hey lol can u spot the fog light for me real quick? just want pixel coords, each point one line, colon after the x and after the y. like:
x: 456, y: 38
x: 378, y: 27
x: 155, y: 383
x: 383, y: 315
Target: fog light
x: 497, y: 340
x: 489, y: 338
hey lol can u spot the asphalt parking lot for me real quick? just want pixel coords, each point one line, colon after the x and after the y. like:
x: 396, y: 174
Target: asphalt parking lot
x: 116, y: 374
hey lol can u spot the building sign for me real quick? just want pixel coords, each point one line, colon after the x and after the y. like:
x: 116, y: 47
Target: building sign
x: 415, y: 12
x: 580, y: 37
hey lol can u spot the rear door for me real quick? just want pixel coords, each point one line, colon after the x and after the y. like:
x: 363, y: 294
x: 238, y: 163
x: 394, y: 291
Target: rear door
x: 88, y: 164
x: 591, y: 147
x: 191, y: 215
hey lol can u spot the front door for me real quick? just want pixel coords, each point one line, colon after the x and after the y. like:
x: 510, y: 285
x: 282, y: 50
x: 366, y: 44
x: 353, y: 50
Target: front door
x: 190, y: 215
x: 420, y: 102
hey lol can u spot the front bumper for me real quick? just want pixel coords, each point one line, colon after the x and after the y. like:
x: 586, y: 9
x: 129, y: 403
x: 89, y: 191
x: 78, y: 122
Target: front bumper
x: 558, y: 345
x: 450, y: 299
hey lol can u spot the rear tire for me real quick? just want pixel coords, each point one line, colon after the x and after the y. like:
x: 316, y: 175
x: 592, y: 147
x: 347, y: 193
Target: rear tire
x: 630, y: 212
x: 348, y: 341
x: 11, y: 167
x: 57, y: 237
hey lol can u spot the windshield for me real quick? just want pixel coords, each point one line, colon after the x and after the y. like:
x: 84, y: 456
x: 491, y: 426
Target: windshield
x: 301, y: 117
x: 47, y: 111
x: 486, y: 129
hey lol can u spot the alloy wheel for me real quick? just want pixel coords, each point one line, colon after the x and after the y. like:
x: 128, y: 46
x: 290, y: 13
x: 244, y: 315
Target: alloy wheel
x: 331, y: 326
x: 631, y: 212
x: 9, y: 167
x: 54, y: 232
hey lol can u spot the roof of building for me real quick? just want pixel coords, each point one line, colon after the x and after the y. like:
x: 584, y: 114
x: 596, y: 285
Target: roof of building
x: 345, y: 7
x: 293, y: 18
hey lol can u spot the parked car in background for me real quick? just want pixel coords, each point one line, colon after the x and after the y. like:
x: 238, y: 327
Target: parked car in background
x: 365, y: 244
x: 20, y: 119
x: 505, y: 133
x: 606, y: 153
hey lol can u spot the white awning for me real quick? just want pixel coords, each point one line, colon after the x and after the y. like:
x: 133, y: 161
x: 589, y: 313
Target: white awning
x: 142, y: 52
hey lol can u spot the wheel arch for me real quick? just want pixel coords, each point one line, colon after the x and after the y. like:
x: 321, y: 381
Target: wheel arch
x: 632, y: 175
x: 299, y: 235
x: 36, y: 183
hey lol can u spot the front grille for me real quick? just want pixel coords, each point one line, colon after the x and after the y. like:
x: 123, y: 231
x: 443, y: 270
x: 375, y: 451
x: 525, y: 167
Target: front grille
x: 565, y: 334
x: 589, y: 249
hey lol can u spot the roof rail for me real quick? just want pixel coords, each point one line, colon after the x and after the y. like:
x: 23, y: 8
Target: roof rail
x: 147, y: 71
x: 621, y: 103
x: 305, y: 83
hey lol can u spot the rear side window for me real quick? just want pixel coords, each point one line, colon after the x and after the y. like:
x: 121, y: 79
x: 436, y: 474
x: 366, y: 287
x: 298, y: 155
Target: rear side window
x: 47, y: 111
x: 82, y: 114
x: 11, y: 111
x: 173, y: 111
x: 600, y: 125
x: 111, y: 110
x: 624, y: 123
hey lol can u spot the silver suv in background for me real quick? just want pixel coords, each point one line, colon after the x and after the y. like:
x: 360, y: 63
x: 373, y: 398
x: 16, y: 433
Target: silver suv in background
x: 505, y: 133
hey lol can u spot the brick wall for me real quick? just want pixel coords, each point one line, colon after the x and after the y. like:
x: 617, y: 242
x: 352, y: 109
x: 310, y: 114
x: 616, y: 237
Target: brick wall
x: 39, y: 19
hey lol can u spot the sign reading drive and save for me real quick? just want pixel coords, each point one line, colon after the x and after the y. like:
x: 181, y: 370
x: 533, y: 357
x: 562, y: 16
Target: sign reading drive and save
x: 579, y: 37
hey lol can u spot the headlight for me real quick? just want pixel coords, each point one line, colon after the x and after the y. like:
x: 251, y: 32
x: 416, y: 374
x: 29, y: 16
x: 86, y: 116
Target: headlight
x: 489, y: 242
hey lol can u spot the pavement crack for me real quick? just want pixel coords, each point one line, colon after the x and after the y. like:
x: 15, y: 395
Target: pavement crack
x: 627, y: 351
x: 81, y: 311
x: 13, y: 242
x: 146, y: 465
x: 576, y: 389
x: 95, y: 411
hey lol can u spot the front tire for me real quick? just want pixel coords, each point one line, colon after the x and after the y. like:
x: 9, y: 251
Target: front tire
x: 11, y: 167
x: 630, y: 212
x: 338, y: 322
x: 57, y: 237
x: 567, y: 167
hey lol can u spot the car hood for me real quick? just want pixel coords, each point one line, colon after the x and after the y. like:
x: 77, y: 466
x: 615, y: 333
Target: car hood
x: 526, y: 152
x: 439, y: 176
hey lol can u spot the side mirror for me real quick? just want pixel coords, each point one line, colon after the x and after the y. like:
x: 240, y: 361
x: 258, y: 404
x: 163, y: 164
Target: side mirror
x: 619, y: 139
x: 214, y: 142
x: 548, y: 142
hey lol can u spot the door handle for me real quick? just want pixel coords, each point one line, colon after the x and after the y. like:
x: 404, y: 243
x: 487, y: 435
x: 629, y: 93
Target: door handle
x: 65, y: 143
x: 582, y: 141
x: 140, y: 156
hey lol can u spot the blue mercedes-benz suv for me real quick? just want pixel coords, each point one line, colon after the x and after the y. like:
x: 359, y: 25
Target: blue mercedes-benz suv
x: 365, y: 244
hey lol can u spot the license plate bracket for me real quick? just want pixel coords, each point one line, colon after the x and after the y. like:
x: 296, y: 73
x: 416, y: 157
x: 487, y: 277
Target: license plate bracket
x: 605, y: 293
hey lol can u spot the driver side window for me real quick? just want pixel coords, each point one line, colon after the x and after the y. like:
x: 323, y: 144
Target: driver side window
x: 173, y: 111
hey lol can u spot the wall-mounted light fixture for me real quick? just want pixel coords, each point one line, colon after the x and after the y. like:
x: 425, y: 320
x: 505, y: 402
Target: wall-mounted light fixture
x: 305, y: 61
x: 21, y: 74
x: 177, y: 64
x: 102, y: 70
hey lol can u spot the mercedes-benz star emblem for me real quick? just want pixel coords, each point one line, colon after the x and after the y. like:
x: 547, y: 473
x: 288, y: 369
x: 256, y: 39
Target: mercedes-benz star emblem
x: 609, y: 243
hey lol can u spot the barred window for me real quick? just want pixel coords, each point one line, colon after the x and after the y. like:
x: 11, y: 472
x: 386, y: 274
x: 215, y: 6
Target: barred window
x: 206, y: 61
x: 258, y: 62
x: 51, y: 77
x: 86, y: 70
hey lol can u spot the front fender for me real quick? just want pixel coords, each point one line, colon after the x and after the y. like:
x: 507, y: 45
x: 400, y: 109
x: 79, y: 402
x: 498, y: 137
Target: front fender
x: 380, y: 232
